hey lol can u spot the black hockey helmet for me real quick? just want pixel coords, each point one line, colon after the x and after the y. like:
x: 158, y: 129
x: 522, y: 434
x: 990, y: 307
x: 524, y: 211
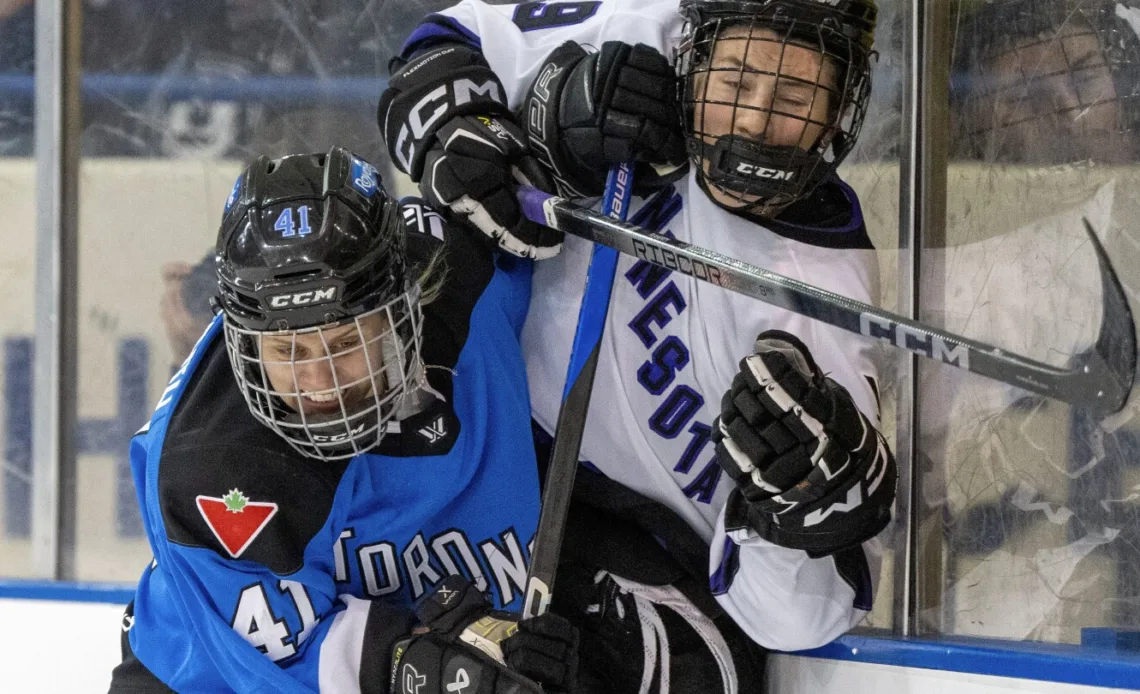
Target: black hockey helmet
x: 306, y: 240
x: 764, y: 171
x: 322, y: 325
x: 1029, y: 81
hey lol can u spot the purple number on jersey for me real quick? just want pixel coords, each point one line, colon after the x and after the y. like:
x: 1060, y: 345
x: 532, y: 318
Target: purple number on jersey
x: 530, y: 16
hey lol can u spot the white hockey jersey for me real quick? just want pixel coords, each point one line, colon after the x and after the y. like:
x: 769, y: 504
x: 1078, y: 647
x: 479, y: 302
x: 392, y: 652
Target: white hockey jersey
x: 672, y: 344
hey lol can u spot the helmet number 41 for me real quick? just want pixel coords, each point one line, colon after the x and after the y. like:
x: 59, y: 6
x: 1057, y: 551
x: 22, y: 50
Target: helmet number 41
x: 286, y: 225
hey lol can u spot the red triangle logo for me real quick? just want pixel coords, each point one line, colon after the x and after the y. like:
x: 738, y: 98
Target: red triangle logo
x: 234, y: 519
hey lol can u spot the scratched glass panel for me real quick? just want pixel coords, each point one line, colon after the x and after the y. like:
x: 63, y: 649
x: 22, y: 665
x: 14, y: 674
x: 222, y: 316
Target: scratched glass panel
x: 872, y: 169
x: 201, y: 88
x: 178, y: 96
x: 1029, y: 505
x: 17, y: 283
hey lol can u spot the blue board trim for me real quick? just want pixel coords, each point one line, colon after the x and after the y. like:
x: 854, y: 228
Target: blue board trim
x: 1045, y: 662
x: 114, y: 593
x: 1030, y: 660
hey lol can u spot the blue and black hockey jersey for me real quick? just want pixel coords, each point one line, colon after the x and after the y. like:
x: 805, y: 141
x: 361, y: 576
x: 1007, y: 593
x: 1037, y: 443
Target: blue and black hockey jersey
x: 272, y: 571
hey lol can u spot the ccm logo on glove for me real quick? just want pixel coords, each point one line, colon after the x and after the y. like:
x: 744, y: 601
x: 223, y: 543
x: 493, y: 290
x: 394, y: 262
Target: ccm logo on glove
x: 440, y: 100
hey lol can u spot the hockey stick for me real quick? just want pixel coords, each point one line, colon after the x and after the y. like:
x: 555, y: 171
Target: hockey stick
x: 575, y: 403
x: 1099, y: 379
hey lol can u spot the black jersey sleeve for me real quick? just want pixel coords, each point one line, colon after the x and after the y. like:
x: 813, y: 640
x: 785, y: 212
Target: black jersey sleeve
x: 455, y: 266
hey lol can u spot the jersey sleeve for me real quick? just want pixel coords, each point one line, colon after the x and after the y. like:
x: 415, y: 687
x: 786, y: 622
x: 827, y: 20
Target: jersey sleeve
x: 515, y: 38
x: 469, y: 265
x: 785, y: 600
x: 781, y: 597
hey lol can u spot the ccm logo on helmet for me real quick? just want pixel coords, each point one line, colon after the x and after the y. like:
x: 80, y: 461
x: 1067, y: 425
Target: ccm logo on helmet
x: 316, y: 296
x: 745, y: 169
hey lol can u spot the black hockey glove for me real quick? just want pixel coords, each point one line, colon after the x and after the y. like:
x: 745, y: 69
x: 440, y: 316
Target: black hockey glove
x: 586, y: 112
x: 811, y: 471
x: 465, y: 646
x: 446, y: 124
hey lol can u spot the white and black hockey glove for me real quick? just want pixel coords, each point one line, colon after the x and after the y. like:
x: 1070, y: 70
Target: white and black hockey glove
x: 586, y: 112
x: 465, y: 646
x: 445, y: 121
x: 812, y: 473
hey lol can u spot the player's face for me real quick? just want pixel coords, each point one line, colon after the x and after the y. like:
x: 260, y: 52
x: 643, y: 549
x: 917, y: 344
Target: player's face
x: 1053, y: 101
x: 765, y: 88
x: 309, y: 369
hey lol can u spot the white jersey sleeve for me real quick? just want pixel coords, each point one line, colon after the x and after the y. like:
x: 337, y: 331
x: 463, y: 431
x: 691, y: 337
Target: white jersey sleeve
x: 786, y: 600
x: 516, y: 38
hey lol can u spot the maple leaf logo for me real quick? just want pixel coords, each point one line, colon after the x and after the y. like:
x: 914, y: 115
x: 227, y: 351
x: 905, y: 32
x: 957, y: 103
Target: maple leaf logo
x: 235, y: 520
x: 235, y: 501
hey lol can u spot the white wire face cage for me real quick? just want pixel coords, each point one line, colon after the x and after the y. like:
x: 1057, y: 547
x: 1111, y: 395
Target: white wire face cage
x: 331, y: 390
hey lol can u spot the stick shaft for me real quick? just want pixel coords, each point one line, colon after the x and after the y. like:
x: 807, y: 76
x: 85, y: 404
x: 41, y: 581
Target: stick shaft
x: 1101, y: 380
x: 575, y: 404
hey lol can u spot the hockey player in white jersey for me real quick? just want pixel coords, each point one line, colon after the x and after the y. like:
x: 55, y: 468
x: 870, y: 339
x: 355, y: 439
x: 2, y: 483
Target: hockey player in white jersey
x: 679, y: 575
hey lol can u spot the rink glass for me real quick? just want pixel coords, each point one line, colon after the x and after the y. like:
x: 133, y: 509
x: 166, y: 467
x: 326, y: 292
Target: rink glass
x: 1028, y: 507
x: 1027, y: 524
x: 177, y: 97
x: 18, y: 278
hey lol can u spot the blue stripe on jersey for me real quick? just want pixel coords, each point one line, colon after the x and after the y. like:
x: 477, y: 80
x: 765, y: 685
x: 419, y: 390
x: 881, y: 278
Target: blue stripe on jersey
x: 722, y: 578
x: 438, y: 29
x: 659, y: 210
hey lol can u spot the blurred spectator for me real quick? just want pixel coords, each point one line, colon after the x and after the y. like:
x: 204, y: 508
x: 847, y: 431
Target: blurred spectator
x: 17, y: 45
x: 337, y: 41
x: 185, y: 304
x: 168, y: 42
x: 17, y: 55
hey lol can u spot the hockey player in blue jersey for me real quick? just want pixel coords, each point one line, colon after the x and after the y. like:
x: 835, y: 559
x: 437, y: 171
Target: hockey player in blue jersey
x: 349, y: 438
x: 730, y: 505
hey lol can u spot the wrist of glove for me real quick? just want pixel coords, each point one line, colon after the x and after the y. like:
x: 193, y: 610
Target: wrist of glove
x: 811, y: 472
x: 471, y: 173
x: 465, y: 646
x: 446, y: 125
x: 586, y: 112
